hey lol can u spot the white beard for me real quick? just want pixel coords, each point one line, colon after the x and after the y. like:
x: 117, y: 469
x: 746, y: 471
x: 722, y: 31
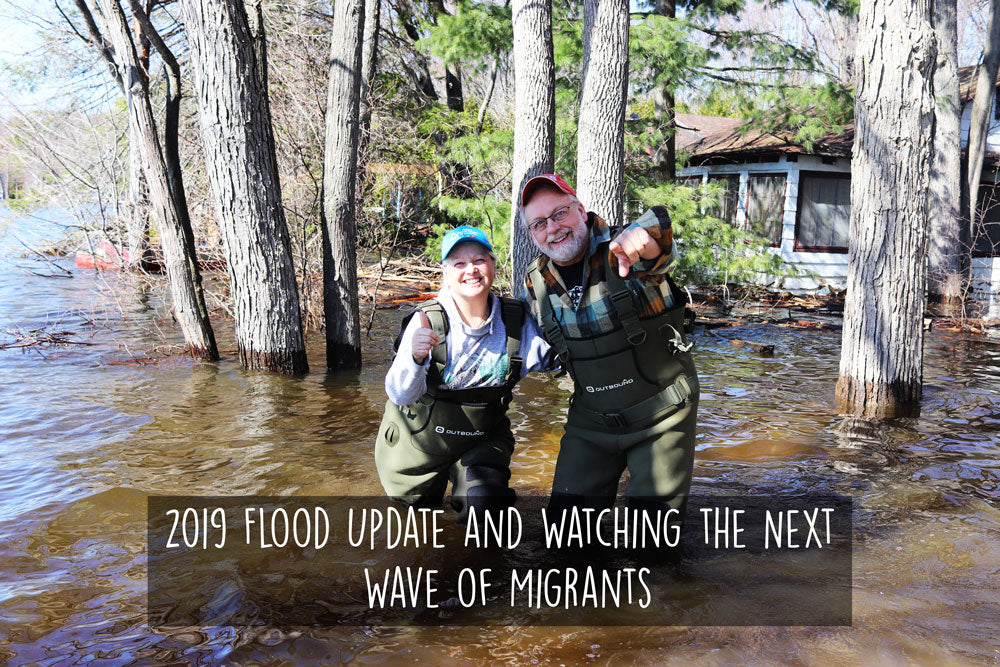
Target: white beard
x: 571, y: 248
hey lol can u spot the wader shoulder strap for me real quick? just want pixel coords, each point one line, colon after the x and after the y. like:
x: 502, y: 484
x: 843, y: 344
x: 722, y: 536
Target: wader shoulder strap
x: 621, y: 298
x: 512, y: 314
x: 553, y: 332
x: 438, y: 320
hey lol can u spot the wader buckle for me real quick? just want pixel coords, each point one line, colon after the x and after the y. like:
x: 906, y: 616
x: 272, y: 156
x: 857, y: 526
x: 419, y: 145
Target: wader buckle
x: 674, y: 394
x: 615, y: 419
x: 554, y: 335
x: 676, y: 340
x: 625, y: 308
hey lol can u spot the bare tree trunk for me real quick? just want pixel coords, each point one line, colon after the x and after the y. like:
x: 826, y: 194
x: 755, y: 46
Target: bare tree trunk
x: 369, y: 62
x: 535, y: 117
x: 665, y: 157
x: 600, y: 160
x: 178, y: 247
x: 881, y: 358
x: 944, y: 248
x: 982, y: 104
x: 137, y: 225
x: 236, y: 134
x: 485, y: 104
x: 340, y: 269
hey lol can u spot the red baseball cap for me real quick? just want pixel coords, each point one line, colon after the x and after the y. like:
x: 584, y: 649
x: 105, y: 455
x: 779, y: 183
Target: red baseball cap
x: 545, y: 179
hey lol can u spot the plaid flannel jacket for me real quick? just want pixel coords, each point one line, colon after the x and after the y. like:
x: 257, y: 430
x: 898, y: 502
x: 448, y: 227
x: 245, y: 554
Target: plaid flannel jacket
x: 595, y: 314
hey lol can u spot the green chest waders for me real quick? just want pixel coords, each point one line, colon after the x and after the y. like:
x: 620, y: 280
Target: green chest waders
x: 629, y: 377
x: 442, y: 425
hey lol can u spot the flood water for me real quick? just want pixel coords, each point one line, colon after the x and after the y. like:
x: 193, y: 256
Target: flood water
x: 88, y: 431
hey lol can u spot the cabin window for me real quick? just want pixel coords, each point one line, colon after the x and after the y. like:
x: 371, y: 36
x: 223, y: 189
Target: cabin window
x: 986, y: 236
x: 726, y: 208
x: 766, y: 205
x: 824, y: 212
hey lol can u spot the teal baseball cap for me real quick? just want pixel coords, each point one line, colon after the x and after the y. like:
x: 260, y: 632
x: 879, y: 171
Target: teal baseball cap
x: 461, y: 235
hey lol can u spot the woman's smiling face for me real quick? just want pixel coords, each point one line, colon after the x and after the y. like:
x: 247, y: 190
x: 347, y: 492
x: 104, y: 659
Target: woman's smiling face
x: 469, y: 270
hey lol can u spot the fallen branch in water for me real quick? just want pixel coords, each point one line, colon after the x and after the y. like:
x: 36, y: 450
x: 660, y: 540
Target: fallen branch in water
x: 39, y: 337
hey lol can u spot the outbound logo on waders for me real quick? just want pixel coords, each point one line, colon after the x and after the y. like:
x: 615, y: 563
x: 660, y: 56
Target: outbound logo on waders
x: 468, y: 434
x: 617, y: 385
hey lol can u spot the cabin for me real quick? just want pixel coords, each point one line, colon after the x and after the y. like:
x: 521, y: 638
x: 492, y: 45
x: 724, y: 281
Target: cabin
x: 800, y: 200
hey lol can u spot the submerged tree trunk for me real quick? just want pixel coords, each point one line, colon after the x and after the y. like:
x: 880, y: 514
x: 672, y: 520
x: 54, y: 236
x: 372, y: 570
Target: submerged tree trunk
x: 979, y: 124
x: 534, y: 118
x: 178, y: 245
x: 944, y: 246
x: 340, y: 236
x: 601, y: 137
x: 236, y: 134
x: 882, y: 352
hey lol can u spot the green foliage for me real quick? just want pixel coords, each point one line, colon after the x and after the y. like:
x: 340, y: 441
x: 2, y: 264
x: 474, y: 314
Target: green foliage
x: 662, y: 52
x: 844, y: 7
x: 716, y: 101
x: 471, y: 35
x: 809, y: 112
x: 710, y: 250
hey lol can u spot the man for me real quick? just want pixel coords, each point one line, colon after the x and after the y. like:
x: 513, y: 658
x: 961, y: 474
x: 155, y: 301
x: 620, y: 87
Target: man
x: 615, y: 319
x: 449, y: 386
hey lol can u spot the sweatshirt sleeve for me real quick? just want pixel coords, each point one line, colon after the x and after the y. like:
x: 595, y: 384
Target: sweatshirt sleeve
x: 538, y: 355
x: 406, y: 380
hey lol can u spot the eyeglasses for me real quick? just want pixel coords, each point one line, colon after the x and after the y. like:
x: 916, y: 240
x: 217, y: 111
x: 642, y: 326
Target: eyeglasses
x: 557, y: 216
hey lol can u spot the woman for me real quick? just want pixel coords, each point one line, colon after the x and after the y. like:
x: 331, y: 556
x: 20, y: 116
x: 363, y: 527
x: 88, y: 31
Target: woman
x: 449, y: 386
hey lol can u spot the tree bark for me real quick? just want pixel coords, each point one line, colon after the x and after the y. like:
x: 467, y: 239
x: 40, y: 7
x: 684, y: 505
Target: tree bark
x: 979, y: 124
x: 534, y: 117
x: 600, y: 171
x: 665, y: 157
x: 178, y: 244
x: 137, y: 225
x: 882, y: 352
x: 945, y: 279
x: 340, y: 270
x: 137, y: 222
x: 238, y: 141
x: 369, y: 62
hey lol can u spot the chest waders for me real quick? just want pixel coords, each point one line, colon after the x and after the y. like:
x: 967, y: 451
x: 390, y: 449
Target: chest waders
x: 444, y: 423
x: 630, y: 377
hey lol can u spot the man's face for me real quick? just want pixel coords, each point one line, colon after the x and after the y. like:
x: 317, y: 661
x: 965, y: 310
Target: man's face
x: 469, y: 270
x: 565, y: 241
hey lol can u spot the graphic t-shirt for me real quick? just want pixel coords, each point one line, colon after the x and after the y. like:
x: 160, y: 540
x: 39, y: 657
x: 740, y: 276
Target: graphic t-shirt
x: 572, y: 276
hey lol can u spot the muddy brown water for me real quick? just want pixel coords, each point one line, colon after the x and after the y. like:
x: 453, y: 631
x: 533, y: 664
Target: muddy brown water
x: 86, y: 437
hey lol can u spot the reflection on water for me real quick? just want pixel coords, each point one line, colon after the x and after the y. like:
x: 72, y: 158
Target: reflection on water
x: 86, y: 438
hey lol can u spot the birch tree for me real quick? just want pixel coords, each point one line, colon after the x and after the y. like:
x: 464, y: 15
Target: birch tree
x: 170, y: 214
x: 534, y: 117
x: 882, y: 352
x: 229, y: 56
x: 945, y: 246
x: 340, y: 270
x: 601, y: 136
